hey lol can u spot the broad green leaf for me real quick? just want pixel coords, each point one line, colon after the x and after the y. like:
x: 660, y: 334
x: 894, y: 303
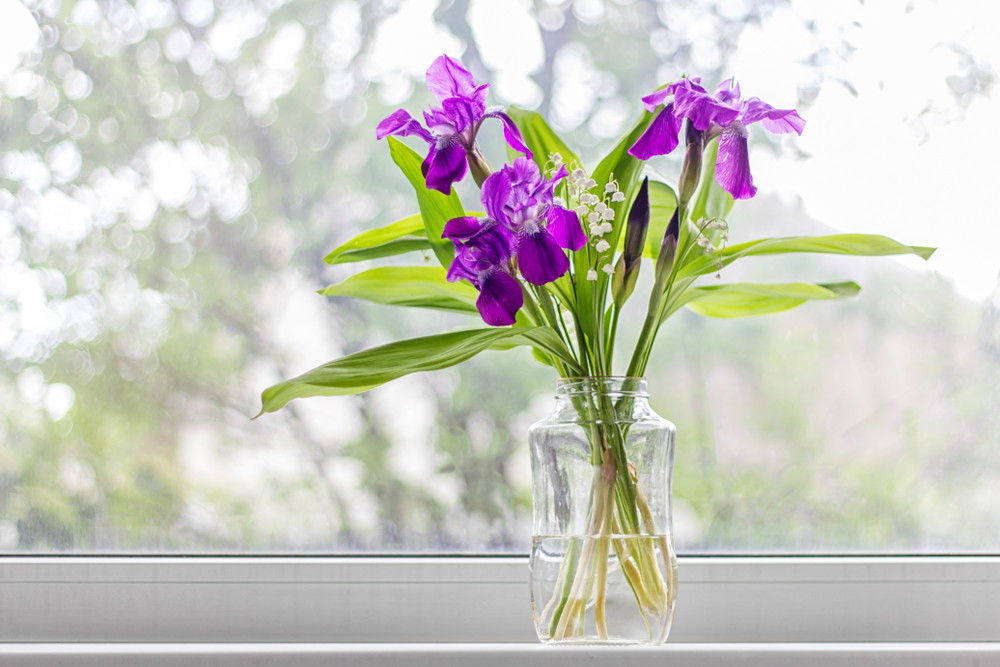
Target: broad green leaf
x: 863, y: 245
x: 370, y: 368
x: 750, y: 299
x: 662, y: 203
x: 388, y: 249
x: 711, y: 201
x: 399, y: 237
x: 413, y: 286
x: 436, y: 209
x: 539, y: 137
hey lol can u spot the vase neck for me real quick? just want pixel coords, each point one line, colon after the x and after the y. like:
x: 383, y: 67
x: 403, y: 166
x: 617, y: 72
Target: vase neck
x: 612, y: 385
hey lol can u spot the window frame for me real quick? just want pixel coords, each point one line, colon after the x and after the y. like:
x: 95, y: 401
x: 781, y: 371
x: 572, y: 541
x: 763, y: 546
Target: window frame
x: 463, y: 599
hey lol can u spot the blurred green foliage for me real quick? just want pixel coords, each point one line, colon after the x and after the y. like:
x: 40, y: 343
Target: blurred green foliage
x: 174, y: 174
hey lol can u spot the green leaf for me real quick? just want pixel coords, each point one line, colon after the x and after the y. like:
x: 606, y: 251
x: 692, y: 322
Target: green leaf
x: 401, y: 236
x: 412, y: 286
x: 862, y: 245
x: 750, y: 299
x: 662, y: 203
x: 712, y: 201
x: 370, y: 368
x: 539, y: 137
x: 436, y: 209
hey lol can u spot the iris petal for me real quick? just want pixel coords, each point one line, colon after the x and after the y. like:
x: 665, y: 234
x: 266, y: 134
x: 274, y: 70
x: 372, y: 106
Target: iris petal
x: 540, y: 258
x: 495, y: 193
x: 446, y: 77
x: 778, y: 121
x: 401, y: 124
x: 702, y: 109
x: 444, y: 166
x: 660, y: 137
x: 462, y: 112
x: 500, y: 298
x: 732, y: 168
x: 510, y: 131
x: 461, y: 229
x: 565, y: 228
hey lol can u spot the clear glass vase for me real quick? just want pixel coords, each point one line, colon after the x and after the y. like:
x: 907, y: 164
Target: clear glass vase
x: 603, y: 568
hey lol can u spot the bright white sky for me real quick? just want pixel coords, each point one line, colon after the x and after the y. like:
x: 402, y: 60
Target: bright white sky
x: 875, y: 163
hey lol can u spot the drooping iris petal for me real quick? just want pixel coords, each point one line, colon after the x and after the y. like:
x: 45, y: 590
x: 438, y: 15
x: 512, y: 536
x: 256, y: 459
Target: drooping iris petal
x: 401, y: 123
x: 465, y: 265
x: 461, y: 229
x: 732, y: 168
x: 540, y: 258
x: 510, y: 131
x: 660, y: 138
x: 778, y: 121
x: 446, y: 77
x: 565, y: 228
x: 500, y: 297
x: 444, y: 165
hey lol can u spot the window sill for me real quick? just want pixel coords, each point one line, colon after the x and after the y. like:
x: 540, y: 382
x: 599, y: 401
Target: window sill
x: 499, y: 655
x: 340, y: 602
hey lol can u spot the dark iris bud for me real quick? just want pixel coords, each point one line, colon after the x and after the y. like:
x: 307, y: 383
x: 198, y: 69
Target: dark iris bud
x: 627, y: 269
x: 691, y: 171
x: 668, y: 249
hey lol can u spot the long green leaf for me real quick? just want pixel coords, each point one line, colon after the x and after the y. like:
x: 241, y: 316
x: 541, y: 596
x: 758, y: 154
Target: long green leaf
x: 865, y: 245
x: 436, y: 209
x: 412, y: 286
x: 368, y: 369
x: 539, y: 137
x: 401, y: 236
x: 750, y: 299
x: 662, y: 203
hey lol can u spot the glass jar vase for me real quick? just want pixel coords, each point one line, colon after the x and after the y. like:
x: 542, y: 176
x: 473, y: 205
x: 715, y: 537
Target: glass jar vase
x: 603, y: 568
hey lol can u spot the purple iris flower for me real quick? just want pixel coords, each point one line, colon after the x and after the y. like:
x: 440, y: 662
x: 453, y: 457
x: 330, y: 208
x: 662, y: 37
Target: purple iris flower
x: 483, y: 256
x: 523, y: 224
x: 722, y: 115
x: 523, y: 200
x: 452, y: 126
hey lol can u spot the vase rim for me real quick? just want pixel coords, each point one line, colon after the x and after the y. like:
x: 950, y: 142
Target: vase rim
x: 618, y: 384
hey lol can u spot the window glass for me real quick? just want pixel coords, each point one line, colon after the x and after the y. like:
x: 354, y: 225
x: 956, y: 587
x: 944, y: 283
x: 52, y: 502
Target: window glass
x: 173, y: 174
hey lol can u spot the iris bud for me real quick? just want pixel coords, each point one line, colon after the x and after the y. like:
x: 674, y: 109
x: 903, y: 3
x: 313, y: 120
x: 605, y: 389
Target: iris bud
x: 627, y: 270
x: 691, y: 170
x: 478, y: 165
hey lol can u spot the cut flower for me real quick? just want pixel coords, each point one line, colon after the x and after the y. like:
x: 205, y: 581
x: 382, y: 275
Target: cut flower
x: 723, y: 115
x: 451, y: 127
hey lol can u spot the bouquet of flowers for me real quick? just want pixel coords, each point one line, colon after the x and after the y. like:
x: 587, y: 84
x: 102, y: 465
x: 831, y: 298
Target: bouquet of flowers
x: 554, y: 255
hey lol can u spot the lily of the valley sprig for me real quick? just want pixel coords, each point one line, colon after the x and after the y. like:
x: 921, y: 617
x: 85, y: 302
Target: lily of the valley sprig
x: 553, y: 249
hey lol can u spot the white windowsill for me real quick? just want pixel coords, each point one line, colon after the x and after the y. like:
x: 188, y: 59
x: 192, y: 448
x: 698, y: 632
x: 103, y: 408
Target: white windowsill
x: 461, y: 611
x: 499, y: 655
